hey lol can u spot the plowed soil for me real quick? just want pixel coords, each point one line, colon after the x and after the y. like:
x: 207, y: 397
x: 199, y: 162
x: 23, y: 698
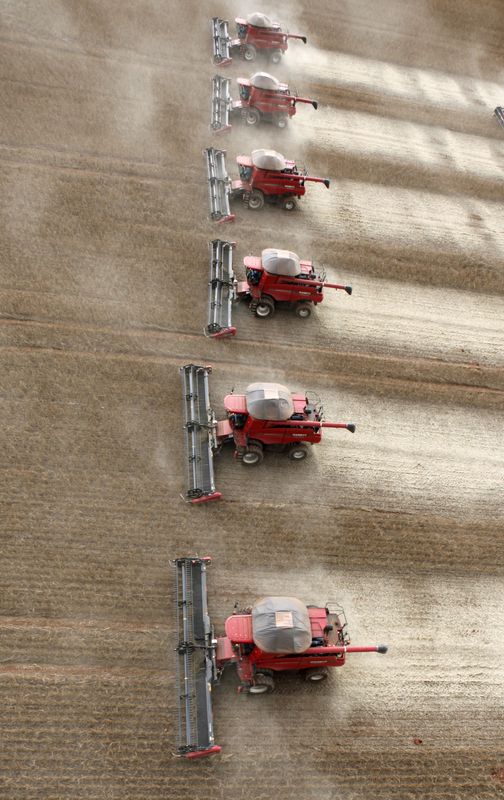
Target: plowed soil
x: 103, y: 235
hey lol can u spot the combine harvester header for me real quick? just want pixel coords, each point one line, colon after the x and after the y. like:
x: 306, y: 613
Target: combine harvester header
x: 277, y: 634
x: 257, y: 34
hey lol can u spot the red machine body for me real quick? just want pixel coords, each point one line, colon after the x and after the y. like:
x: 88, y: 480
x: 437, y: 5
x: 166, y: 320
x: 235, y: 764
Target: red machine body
x: 265, y: 289
x: 254, y: 38
x: 281, y: 185
x: 273, y: 105
x: 252, y: 435
x: 329, y: 646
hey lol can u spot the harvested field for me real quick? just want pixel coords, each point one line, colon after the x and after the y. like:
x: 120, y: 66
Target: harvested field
x: 103, y: 291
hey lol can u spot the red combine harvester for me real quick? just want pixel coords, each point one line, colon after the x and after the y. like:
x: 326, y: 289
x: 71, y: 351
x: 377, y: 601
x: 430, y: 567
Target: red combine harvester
x: 275, y: 635
x: 262, y: 98
x: 277, y: 278
x: 499, y: 113
x: 267, y: 415
x: 256, y: 34
x: 265, y: 177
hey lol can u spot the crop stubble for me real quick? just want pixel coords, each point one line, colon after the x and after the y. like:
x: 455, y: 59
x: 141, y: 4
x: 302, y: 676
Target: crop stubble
x: 102, y: 296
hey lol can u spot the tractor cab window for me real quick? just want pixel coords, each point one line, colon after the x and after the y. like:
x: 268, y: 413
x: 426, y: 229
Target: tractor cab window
x: 245, y: 173
x: 253, y: 276
x: 244, y: 92
x: 241, y: 30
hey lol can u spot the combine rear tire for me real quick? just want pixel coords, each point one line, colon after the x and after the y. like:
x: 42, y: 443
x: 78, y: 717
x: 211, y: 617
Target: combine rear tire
x: 249, y: 52
x: 265, y: 307
x: 256, y: 200
x: 315, y: 675
x: 253, y: 455
x: 252, y: 116
x: 289, y: 204
x: 276, y: 56
x: 281, y: 120
x: 297, y: 452
x: 303, y: 309
x: 262, y: 684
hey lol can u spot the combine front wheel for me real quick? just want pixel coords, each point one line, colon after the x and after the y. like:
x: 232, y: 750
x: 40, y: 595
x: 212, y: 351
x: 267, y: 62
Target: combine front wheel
x: 276, y: 56
x: 249, y: 52
x: 303, y: 309
x: 298, y: 452
x: 253, y: 455
x: 281, y: 120
x: 256, y: 200
x: 265, y: 307
x: 314, y: 675
x: 289, y: 204
x: 263, y: 684
x: 252, y: 116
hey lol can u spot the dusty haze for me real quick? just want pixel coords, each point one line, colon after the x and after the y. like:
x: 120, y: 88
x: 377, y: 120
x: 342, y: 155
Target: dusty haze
x: 103, y: 235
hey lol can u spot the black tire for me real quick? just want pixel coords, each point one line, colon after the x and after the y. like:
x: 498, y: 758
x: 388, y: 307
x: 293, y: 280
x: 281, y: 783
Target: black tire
x: 263, y: 684
x: 249, y: 52
x: 316, y: 674
x: 252, y: 116
x: 303, y: 309
x: 256, y: 200
x: 289, y: 204
x: 297, y: 452
x: 265, y: 307
x: 276, y: 56
x: 253, y: 455
x: 281, y: 120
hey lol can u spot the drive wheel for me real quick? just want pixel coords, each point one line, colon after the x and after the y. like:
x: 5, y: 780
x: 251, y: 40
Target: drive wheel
x: 303, y: 309
x: 256, y: 200
x: 297, y: 452
x: 249, y: 52
x: 262, y: 684
x: 315, y: 675
x: 276, y: 56
x: 281, y: 120
x: 253, y: 455
x: 252, y: 116
x: 289, y: 204
x: 265, y: 307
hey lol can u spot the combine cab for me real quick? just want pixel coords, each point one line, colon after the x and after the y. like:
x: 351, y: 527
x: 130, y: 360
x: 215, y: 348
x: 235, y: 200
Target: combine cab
x: 277, y: 278
x: 499, y: 113
x: 262, y: 99
x: 265, y: 177
x: 256, y: 34
x: 266, y: 416
x: 277, y: 634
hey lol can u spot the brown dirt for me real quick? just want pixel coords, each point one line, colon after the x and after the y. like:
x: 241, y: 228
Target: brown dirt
x: 103, y: 289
